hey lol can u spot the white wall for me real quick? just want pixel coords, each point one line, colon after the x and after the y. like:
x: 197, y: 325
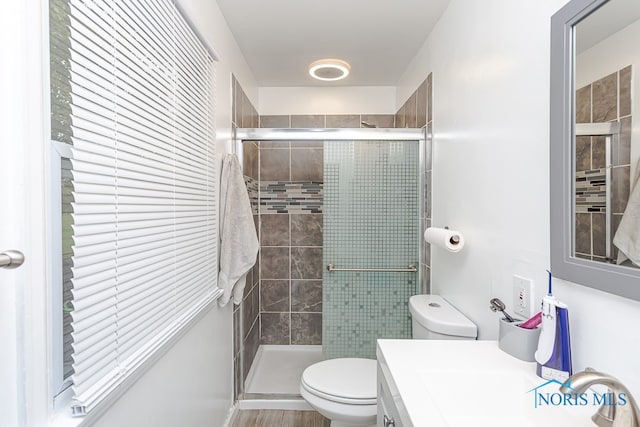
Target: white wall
x: 610, y: 55
x: 327, y: 100
x: 192, y: 385
x: 189, y: 386
x: 490, y: 64
x: 208, y: 19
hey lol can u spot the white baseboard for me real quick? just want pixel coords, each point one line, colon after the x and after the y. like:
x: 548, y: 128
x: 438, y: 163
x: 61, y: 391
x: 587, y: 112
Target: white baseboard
x: 231, y: 416
x: 280, y: 404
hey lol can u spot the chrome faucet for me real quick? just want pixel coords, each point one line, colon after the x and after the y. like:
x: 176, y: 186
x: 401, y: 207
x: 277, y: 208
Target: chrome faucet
x: 612, y: 413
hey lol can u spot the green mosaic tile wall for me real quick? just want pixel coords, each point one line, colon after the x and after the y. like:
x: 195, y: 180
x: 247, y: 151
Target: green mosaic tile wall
x: 371, y: 220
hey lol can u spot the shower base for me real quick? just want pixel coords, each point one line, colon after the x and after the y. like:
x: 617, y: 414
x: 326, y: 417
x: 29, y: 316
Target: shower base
x: 274, y: 378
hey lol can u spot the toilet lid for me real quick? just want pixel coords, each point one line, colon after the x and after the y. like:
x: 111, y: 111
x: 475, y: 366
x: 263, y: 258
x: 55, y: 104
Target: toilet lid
x: 350, y: 378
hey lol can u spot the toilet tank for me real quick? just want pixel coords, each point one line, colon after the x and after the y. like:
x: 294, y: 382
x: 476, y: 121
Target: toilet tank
x: 432, y: 317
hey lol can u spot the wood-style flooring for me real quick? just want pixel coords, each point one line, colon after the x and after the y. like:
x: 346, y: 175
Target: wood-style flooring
x: 277, y: 418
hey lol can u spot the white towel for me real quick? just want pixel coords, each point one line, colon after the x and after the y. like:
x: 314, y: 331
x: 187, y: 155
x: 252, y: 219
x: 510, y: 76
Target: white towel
x: 627, y: 238
x: 238, y: 239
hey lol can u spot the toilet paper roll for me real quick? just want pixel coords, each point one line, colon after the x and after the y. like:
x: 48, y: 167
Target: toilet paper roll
x: 451, y: 240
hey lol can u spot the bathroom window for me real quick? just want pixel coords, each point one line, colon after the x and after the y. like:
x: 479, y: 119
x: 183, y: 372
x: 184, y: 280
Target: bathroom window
x: 132, y: 114
x: 66, y: 228
x: 61, y: 198
x: 62, y: 294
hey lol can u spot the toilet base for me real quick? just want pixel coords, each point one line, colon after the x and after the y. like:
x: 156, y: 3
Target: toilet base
x: 340, y: 414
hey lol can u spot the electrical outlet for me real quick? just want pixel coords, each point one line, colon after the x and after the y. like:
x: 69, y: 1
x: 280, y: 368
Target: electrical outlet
x: 522, y: 296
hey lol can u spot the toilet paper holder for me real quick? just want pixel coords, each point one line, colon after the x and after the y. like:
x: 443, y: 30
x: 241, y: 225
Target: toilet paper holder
x: 454, y: 239
x: 445, y: 238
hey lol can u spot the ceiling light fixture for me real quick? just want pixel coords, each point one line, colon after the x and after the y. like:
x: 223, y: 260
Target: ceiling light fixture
x: 329, y: 70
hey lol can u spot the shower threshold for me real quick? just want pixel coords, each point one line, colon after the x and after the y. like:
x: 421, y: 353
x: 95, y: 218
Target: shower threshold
x: 274, y: 378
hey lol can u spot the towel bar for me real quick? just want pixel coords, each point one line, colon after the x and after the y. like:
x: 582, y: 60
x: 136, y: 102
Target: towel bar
x: 409, y: 269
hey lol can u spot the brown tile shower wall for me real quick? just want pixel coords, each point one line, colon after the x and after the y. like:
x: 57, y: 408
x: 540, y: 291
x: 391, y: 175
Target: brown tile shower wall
x: 605, y: 100
x: 246, y: 323
x: 291, y: 178
x: 291, y: 244
x: 417, y: 113
x: 327, y: 121
x: 291, y: 283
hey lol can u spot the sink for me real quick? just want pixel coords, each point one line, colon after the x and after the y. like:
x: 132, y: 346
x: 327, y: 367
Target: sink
x: 471, y: 383
x: 496, y: 398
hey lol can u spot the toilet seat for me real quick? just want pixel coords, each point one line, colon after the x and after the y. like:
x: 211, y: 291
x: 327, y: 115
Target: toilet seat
x: 346, y: 380
x: 338, y: 399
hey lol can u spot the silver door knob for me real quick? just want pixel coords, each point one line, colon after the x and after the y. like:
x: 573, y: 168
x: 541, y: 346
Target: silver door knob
x: 11, y: 259
x: 389, y: 422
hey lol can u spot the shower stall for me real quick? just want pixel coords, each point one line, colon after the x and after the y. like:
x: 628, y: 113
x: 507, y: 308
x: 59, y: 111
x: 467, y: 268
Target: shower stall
x: 338, y: 213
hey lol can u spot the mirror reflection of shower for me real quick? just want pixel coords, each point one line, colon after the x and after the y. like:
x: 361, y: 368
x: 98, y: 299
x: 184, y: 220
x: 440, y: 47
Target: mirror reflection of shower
x: 593, y: 190
x: 607, y: 142
x: 601, y: 194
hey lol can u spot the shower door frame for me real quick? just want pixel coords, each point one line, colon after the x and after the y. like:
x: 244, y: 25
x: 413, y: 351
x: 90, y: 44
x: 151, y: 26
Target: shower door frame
x: 302, y: 135
x: 345, y: 134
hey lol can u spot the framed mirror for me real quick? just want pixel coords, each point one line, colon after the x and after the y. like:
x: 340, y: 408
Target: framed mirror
x: 595, y: 145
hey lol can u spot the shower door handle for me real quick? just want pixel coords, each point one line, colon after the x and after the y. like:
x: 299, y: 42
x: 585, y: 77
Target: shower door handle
x: 11, y: 259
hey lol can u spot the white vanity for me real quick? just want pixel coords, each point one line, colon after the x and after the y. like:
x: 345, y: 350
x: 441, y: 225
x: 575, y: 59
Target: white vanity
x: 465, y: 383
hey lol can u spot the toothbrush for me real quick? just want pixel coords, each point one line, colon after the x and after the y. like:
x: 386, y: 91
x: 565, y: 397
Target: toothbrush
x: 496, y: 305
x: 533, y: 322
x: 554, y: 344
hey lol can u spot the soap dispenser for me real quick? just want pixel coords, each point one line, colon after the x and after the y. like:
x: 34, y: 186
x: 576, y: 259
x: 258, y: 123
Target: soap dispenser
x: 554, y: 345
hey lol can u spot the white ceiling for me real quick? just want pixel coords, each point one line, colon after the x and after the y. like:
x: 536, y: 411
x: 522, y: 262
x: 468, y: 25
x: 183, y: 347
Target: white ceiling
x: 610, y: 18
x: 280, y: 38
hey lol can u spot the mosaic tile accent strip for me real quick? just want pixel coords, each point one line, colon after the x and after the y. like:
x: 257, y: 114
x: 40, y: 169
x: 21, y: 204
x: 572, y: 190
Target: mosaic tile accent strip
x: 291, y: 197
x: 252, y: 189
x: 371, y: 219
x: 590, y: 191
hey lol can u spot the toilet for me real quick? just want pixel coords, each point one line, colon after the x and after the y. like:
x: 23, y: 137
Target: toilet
x: 344, y: 390
x: 433, y: 318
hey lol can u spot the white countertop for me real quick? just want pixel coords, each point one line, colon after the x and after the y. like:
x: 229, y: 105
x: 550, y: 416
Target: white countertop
x: 470, y: 383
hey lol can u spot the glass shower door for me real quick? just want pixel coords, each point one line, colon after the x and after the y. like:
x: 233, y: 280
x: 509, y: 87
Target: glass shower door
x: 371, y: 222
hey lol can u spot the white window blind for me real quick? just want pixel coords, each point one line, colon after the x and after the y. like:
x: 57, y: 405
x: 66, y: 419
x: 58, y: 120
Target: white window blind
x: 144, y: 176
